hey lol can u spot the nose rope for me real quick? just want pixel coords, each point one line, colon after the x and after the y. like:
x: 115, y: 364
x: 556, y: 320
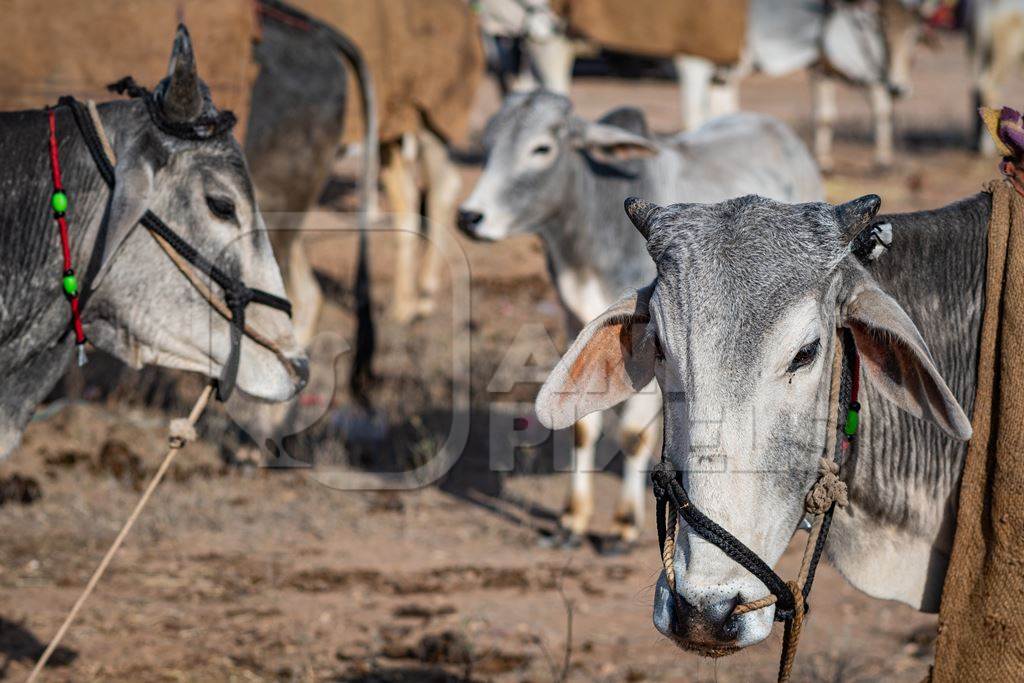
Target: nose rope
x: 828, y: 491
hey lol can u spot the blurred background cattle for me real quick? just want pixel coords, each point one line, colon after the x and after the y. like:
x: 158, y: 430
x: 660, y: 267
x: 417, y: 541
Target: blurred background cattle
x: 265, y: 573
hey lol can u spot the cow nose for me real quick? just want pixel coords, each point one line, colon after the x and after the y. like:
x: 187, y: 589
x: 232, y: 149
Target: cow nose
x: 711, y: 627
x: 300, y: 365
x: 898, y: 90
x: 468, y: 220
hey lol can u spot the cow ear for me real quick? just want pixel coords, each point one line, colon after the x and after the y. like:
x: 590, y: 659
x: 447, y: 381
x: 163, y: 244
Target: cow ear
x: 611, y: 144
x: 611, y: 359
x: 133, y: 189
x: 897, y: 361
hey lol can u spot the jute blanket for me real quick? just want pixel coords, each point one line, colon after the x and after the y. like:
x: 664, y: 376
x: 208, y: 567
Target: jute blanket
x: 426, y: 59
x: 713, y: 29
x: 981, y: 621
x: 71, y: 47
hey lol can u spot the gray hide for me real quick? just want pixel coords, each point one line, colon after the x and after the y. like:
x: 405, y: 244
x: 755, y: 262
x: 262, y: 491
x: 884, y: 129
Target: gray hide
x: 740, y: 318
x: 142, y: 309
x: 551, y: 173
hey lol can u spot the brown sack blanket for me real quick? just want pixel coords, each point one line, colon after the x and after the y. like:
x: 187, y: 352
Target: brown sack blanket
x: 713, y: 29
x: 425, y: 56
x: 981, y: 621
x: 74, y: 47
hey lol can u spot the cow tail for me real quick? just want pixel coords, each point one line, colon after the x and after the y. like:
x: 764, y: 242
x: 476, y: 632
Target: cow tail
x: 361, y: 376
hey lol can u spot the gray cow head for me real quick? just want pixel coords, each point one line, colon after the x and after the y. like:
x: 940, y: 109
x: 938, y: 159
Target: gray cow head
x: 531, y: 143
x: 144, y: 310
x: 742, y: 320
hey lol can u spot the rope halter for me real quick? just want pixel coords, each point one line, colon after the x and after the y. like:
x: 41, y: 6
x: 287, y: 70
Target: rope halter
x: 236, y: 295
x: 828, y: 491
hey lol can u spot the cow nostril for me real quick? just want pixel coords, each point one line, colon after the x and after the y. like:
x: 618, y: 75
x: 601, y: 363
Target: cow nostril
x: 468, y: 220
x: 707, y: 626
x: 301, y: 367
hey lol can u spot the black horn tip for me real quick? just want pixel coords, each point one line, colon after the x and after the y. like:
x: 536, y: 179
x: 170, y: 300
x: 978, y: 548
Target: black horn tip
x: 856, y: 214
x: 641, y: 213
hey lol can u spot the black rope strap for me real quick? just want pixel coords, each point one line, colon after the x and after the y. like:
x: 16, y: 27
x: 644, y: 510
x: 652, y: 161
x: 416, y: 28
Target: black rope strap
x: 237, y: 296
x: 673, y: 503
x: 672, y: 498
x: 199, y: 128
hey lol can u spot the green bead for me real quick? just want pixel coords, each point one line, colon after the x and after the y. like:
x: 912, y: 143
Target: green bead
x: 59, y: 201
x: 70, y: 285
x: 852, y: 422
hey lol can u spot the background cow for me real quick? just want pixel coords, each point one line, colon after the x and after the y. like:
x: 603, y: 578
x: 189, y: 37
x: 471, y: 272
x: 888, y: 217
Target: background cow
x: 558, y: 176
x: 869, y: 44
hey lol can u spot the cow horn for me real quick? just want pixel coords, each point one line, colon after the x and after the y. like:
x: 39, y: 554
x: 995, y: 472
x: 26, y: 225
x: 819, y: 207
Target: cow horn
x: 856, y: 215
x: 182, y: 94
x: 642, y: 214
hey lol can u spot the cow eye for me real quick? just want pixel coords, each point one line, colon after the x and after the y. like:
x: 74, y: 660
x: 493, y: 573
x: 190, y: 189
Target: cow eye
x: 221, y: 207
x: 540, y: 150
x: 805, y: 356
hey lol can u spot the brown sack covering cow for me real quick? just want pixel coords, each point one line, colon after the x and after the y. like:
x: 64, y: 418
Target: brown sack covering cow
x: 714, y: 30
x: 426, y: 59
x: 59, y: 47
x: 981, y: 621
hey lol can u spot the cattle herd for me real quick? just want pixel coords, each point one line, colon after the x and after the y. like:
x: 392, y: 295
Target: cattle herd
x: 706, y: 283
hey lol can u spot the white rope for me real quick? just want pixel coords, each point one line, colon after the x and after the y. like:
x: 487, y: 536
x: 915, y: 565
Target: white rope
x: 181, y: 430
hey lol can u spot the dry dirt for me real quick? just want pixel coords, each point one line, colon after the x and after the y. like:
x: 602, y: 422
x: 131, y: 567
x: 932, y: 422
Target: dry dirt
x: 242, y: 573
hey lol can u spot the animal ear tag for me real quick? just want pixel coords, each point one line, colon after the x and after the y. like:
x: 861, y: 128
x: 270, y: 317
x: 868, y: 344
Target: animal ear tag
x: 870, y: 244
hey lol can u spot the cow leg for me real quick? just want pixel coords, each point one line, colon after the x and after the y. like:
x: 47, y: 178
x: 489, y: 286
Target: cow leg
x: 443, y: 186
x: 883, y: 112
x: 994, y: 65
x: 552, y: 58
x: 695, y: 74
x: 724, y: 93
x: 824, y: 114
x: 639, y: 435
x: 580, y: 506
x: 402, y: 193
x: 300, y: 282
x: 985, y: 93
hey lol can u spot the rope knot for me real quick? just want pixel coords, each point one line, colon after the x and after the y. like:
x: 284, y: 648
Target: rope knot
x: 181, y: 431
x: 662, y: 476
x: 237, y: 296
x: 827, y: 490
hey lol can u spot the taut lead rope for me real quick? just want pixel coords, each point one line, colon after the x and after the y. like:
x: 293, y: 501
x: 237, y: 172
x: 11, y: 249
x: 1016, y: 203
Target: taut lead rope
x: 789, y: 597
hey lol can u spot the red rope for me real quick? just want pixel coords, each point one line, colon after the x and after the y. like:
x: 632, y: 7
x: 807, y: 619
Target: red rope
x: 855, y: 377
x: 65, y: 241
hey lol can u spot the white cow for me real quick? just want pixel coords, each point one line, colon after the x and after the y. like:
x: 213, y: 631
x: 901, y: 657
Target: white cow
x: 866, y: 42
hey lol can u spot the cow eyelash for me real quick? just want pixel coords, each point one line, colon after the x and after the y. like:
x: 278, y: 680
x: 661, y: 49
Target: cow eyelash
x: 540, y: 149
x: 221, y: 208
x: 805, y: 356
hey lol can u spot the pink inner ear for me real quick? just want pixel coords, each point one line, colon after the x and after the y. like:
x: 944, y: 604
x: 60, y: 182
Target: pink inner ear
x: 875, y: 351
x: 604, y: 357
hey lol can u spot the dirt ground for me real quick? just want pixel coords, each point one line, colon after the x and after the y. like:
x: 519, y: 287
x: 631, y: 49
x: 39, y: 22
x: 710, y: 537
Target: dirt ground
x: 243, y: 573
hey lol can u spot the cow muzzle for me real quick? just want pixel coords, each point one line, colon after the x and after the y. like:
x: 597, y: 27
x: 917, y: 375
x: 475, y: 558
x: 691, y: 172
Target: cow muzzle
x: 704, y: 620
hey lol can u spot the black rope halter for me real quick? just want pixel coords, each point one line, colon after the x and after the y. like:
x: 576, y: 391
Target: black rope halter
x: 673, y: 502
x: 237, y: 296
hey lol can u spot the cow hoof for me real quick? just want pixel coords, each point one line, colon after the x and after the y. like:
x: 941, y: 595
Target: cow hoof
x: 561, y: 540
x: 615, y: 547
x: 425, y: 307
